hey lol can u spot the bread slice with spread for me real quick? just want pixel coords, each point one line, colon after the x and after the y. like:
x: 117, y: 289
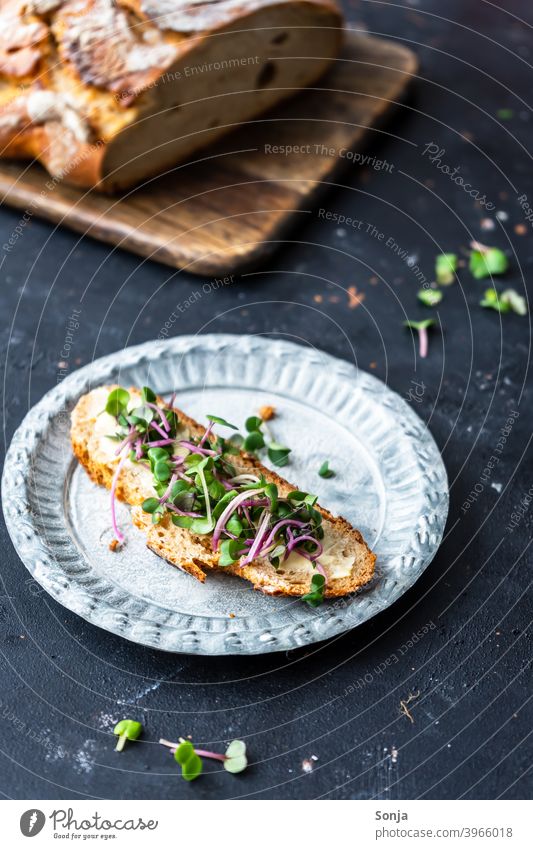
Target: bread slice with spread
x: 204, y: 504
x: 108, y: 93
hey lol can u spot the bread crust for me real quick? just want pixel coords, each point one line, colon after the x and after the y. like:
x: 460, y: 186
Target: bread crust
x: 81, y: 81
x: 193, y: 553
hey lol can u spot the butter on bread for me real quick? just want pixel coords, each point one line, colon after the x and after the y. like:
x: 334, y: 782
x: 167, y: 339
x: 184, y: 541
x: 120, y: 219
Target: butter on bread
x: 347, y: 561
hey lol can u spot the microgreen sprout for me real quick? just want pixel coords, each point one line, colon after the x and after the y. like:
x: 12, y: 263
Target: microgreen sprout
x: 234, y: 760
x: 315, y: 596
x: 430, y: 297
x: 507, y: 301
x: 198, y: 485
x: 219, y: 421
x: 445, y: 269
x: 325, y: 471
x: 487, y: 262
x: 126, y: 729
x: 258, y: 437
x: 421, y: 327
x: 278, y: 454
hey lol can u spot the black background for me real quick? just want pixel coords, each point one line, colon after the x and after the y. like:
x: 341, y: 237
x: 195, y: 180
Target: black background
x: 64, y: 683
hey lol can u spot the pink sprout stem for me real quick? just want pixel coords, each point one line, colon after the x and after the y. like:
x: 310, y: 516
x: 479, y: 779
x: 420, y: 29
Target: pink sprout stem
x: 160, y: 430
x: 205, y: 754
x: 159, y: 411
x: 224, y: 516
x: 423, y: 340
x: 206, y: 434
x: 207, y: 452
x: 166, y: 494
x: 116, y: 474
x: 159, y: 443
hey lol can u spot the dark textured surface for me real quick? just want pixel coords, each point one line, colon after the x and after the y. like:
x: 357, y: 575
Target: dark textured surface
x: 63, y: 683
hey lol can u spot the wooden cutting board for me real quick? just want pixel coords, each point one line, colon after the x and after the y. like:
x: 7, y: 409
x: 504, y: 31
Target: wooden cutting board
x: 229, y: 209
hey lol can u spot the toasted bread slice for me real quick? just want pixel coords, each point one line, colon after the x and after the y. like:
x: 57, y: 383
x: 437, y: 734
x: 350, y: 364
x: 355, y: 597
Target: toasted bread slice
x: 347, y: 561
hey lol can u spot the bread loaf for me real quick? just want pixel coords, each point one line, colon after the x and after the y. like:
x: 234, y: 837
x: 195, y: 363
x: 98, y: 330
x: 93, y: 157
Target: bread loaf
x: 107, y: 93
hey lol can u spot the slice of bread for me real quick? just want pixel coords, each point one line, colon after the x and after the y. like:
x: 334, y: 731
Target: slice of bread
x: 347, y: 561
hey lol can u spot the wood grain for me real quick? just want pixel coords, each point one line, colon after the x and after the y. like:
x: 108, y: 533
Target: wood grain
x: 227, y: 210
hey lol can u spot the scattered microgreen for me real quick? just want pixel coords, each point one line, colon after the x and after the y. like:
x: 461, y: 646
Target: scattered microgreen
x: 316, y: 594
x: 325, y: 471
x: 505, y: 114
x: 445, y: 269
x: 254, y: 442
x: 278, y: 454
x: 507, y: 301
x: 421, y: 327
x: 126, y: 729
x: 234, y: 760
x: 430, y: 297
x: 487, y: 262
x: 253, y: 423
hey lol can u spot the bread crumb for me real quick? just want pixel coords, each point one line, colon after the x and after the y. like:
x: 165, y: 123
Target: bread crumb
x: 267, y: 412
x: 520, y: 229
x: 114, y: 545
x: 232, y: 616
x: 307, y: 766
x: 354, y: 297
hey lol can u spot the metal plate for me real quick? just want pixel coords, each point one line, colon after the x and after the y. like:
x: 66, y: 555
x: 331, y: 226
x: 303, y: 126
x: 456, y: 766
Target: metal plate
x: 390, y: 483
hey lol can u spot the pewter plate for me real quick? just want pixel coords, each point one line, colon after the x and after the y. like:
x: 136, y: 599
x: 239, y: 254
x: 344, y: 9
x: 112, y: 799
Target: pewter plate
x: 390, y: 483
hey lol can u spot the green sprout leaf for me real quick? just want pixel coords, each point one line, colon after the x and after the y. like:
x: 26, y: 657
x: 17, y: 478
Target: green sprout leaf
x: 420, y: 325
x: 325, y: 471
x: 271, y: 492
x: 297, y: 495
x: 191, y: 765
x: 430, y: 297
x: 126, y: 729
x: 253, y: 423
x: 218, y: 420
x: 230, y: 551
x: 278, y: 454
x: 316, y: 594
x: 202, y: 526
x: 141, y: 415
x: 254, y: 441
x: 505, y: 114
x: 184, y: 751
x: 182, y: 521
x: 236, y: 760
x: 162, y: 471
x: 150, y: 505
x: 516, y: 302
x: 445, y: 269
x: 148, y: 395
x: 117, y: 401
x: 491, y: 300
x: 486, y: 262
